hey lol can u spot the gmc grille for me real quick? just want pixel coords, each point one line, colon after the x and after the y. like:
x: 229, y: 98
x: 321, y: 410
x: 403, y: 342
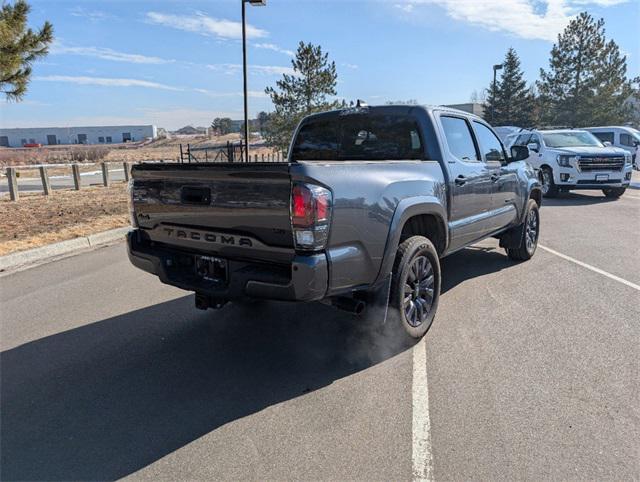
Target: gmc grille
x: 586, y: 164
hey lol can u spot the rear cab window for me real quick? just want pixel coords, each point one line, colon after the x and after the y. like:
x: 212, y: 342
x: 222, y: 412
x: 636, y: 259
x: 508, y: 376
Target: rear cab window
x: 359, y: 136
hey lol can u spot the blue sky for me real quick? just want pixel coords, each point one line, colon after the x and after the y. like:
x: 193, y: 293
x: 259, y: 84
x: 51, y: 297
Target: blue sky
x: 174, y: 63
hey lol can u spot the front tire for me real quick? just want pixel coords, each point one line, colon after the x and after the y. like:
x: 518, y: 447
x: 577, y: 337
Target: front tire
x: 549, y: 188
x: 415, y: 285
x: 530, y: 234
x: 614, y: 192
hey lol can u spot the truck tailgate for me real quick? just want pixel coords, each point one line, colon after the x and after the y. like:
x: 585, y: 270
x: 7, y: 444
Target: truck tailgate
x: 234, y: 210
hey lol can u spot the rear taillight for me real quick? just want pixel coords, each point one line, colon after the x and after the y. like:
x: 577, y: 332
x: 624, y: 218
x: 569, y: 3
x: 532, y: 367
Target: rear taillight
x: 310, y: 216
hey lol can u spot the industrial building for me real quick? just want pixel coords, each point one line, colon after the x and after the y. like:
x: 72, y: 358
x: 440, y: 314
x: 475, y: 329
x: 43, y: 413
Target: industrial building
x: 51, y: 136
x: 470, y: 107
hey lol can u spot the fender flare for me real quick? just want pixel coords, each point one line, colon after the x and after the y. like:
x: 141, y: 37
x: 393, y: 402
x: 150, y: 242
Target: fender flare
x: 533, y: 186
x: 407, y: 208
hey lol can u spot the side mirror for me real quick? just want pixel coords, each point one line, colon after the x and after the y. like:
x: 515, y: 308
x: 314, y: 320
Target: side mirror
x: 533, y: 146
x: 607, y: 144
x: 519, y: 153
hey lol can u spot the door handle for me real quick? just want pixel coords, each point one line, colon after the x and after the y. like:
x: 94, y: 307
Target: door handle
x: 460, y: 180
x: 495, y: 177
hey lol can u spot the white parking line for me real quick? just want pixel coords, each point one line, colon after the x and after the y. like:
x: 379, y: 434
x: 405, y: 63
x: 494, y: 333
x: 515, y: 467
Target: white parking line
x: 592, y: 268
x: 421, y: 424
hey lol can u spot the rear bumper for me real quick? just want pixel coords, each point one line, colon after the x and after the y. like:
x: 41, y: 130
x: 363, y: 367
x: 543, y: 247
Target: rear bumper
x: 305, y: 278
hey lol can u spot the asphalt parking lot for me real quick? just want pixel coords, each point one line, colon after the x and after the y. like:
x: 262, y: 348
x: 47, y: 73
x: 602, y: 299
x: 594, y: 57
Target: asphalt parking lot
x: 530, y: 371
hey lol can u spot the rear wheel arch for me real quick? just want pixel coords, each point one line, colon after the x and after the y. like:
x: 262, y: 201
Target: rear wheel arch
x: 430, y: 226
x: 409, y: 208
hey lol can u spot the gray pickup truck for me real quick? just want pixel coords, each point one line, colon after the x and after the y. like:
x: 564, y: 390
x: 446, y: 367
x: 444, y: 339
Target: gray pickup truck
x: 369, y: 197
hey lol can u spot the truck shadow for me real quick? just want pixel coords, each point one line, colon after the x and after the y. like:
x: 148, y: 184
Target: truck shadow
x: 472, y: 262
x: 106, y: 399
x: 577, y: 199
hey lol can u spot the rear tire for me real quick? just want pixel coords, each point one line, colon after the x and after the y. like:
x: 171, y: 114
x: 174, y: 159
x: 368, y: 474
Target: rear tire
x: 614, y: 192
x: 415, y: 286
x: 549, y: 188
x: 530, y: 234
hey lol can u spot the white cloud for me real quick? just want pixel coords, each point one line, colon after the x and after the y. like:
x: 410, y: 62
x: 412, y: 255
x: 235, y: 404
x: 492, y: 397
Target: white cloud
x: 233, y: 69
x: 92, y: 15
x: 349, y: 66
x: 601, y: 3
x: 275, y: 48
x: 405, y: 7
x: 105, y: 82
x: 108, y: 54
x: 530, y: 19
x: 205, y: 25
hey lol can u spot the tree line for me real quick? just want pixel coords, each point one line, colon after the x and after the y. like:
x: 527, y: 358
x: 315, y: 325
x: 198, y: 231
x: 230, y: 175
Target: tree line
x: 585, y: 84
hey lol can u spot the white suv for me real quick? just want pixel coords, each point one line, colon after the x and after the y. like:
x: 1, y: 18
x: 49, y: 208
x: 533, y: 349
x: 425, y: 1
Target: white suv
x: 569, y: 159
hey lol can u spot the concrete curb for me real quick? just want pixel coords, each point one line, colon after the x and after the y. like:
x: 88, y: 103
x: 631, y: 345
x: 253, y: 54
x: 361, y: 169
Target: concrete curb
x: 43, y: 253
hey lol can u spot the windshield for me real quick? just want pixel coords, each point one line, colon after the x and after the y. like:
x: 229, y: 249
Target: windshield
x: 571, y: 139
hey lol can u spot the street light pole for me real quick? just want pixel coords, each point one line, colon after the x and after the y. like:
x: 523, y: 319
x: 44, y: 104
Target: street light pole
x: 244, y: 75
x: 244, y: 72
x: 495, y: 69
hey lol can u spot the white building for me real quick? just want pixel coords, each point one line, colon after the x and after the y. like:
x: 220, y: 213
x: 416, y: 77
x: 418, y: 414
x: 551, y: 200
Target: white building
x: 470, y: 107
x: 50, y: 136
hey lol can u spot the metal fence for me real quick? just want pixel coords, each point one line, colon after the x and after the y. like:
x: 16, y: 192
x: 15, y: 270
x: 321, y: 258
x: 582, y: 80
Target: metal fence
x: 229, y: 152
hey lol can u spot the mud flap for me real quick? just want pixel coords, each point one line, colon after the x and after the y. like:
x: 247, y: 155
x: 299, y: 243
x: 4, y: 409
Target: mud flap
x: 513, y: 237
x: 378, y: 303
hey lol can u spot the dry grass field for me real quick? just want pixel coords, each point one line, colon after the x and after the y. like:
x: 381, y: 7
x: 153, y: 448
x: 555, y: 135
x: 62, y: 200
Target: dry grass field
x: 36, y: 220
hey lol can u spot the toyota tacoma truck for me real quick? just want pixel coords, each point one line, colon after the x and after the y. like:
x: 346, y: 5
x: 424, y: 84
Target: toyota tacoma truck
x: 369, y: 197
x: 570, y: 159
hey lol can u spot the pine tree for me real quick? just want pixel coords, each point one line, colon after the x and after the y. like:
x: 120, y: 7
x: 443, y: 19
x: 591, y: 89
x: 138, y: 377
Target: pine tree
x: 586, y: 83
x: 222, y: 125
x: 512, y: 102
x: 19, y: 48
x: 301, y: 93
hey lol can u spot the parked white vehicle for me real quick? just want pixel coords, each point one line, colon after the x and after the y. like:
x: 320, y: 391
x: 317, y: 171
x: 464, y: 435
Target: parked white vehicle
x: 569, y: 159
x: 626, y: 138
x: 505, y: 131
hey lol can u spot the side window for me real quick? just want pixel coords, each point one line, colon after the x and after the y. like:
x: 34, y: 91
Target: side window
x: 535, y: 139
x: 604, y: 136
x: 626, y: 140
x: 522, y: 140
x: 490, y: 145
x: 459, y: 139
